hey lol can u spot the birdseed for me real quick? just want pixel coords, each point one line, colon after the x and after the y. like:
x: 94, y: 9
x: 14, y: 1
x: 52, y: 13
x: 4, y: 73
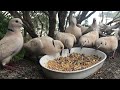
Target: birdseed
x: 73, y: 62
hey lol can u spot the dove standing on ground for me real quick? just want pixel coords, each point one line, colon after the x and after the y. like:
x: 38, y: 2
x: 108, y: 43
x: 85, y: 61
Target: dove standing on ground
x: 73, y: 29
x: 43, y: 45
x: 107, y: 44
x: 12, y: 42
x: 89, y: 39
x: 67, y: 39
x: 90, y: 36
x: 51, y: 47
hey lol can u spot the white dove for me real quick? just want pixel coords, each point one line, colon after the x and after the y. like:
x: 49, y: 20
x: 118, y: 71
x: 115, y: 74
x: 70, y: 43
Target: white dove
x: 12, y: 42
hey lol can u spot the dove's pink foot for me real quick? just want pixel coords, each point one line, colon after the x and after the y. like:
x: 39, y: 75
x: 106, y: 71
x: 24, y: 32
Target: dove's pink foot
x: 9, y: 67
x: 113, y: 55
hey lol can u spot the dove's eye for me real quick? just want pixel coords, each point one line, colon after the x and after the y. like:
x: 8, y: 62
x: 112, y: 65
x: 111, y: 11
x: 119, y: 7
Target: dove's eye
x: 101, y: 42
x: 16, y: 21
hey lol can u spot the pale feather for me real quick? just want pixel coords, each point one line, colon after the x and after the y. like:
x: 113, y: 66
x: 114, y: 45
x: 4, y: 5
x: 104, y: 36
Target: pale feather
x: 9, y: 45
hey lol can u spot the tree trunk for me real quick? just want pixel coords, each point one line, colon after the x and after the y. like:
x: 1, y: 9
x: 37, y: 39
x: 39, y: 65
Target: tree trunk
x: 52, y: 23
x: 27, y: 18
x: 62, y: 16
x: 102, y: 17
x: 83, y: 16
x: 25, y: 34
x: 29, y: 27
x: 68, y: 18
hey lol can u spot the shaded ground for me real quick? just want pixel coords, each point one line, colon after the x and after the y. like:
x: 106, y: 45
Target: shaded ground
x: 25, y: 69
x: 109, y: 70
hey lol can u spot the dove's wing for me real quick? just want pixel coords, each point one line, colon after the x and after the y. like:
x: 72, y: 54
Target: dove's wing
x: 8, y: 46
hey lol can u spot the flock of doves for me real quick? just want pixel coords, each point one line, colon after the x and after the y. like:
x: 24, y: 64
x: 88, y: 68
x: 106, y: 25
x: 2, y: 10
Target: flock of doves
x: 75, y: 34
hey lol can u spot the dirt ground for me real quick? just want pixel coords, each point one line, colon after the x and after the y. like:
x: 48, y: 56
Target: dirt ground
x: 26, y: 69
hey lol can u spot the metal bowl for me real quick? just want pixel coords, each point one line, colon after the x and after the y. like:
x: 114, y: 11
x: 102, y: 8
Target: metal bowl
x: 79, y: 74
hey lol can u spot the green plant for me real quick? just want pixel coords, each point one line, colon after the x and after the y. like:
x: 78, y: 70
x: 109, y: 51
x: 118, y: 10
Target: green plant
x: 3, y: 25
x: 20, y: 55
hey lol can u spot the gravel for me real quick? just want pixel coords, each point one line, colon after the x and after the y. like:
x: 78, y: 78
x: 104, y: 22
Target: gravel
x: 27, y: 69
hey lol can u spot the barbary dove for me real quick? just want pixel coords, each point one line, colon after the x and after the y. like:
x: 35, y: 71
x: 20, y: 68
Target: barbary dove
x: 89, y: 39
x: 107, y: 44
x: 73, y: 29
x: 67, y: 39
x: 12, y: 42
x: 43, y: 45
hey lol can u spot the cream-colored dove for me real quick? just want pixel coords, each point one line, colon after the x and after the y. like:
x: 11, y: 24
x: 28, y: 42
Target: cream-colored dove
x: 89, y: 39
x: 67, y: 39
x: 107, y: 44
x: 43, y: 45
x: 51, y: 47
x: 73, y: 29
x: 12, y: 42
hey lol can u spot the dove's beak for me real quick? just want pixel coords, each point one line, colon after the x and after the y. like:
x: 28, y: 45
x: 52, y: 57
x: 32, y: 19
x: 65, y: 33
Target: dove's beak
x: 98, y: 47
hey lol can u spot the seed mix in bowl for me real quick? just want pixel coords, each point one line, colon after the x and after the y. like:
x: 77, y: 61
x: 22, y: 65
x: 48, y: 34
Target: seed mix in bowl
x: 73, y: 62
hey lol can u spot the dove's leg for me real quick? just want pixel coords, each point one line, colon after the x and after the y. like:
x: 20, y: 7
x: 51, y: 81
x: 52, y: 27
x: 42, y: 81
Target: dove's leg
x: 113, y: 55
x: 6, y: 61
x: 69, y: 50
